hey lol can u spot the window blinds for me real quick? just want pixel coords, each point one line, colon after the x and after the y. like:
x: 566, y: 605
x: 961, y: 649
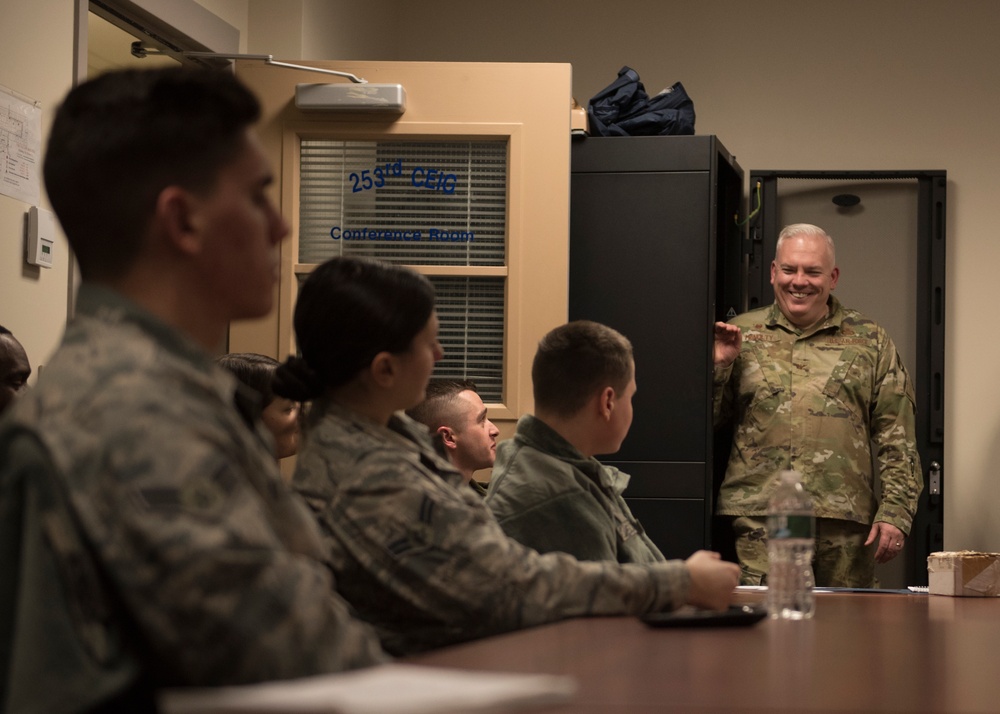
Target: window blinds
x: 424, y: 204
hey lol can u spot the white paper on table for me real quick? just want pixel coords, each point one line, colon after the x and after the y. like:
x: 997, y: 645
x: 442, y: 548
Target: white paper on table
x: 385, y: 689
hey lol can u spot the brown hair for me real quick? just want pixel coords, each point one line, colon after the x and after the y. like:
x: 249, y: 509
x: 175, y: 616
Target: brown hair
x: 577, y: 359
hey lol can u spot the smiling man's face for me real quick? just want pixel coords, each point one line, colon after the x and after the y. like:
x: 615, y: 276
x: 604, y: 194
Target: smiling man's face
x: 803, y: 274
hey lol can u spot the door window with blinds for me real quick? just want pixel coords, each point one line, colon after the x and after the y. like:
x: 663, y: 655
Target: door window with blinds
x: 438, y: 206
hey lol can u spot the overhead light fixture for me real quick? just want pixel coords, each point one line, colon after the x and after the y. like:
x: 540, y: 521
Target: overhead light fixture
x: 373, y: 98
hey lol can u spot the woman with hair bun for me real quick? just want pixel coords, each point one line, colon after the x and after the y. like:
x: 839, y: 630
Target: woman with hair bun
x: 367, y: 335
x: 415, y: 551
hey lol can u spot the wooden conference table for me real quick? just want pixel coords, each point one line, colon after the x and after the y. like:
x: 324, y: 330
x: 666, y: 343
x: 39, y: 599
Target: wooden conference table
x: 862, y: 652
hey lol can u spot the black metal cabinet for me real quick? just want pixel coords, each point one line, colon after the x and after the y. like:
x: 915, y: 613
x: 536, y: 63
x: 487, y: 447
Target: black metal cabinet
x: 655, y: 253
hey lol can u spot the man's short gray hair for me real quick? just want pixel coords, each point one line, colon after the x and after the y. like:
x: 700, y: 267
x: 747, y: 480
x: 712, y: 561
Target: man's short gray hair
x: 805, y: 229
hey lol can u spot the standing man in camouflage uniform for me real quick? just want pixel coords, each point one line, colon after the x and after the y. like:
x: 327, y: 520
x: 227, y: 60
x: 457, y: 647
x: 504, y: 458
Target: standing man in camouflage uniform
x: 146, y: 539
x: 810, y: 386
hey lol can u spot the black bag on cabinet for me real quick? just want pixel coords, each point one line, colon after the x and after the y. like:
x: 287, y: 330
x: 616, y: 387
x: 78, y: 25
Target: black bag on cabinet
x: 624, y: 109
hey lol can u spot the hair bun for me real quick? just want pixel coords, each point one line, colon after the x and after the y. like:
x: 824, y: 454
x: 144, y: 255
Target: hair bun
x: 296, y: 380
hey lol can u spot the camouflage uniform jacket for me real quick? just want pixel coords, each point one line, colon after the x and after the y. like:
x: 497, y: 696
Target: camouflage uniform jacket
x: 418, y: 553
x: 478, y: 488
x: 550, y: 497
x: 813, y: 401
x: 145, y: 537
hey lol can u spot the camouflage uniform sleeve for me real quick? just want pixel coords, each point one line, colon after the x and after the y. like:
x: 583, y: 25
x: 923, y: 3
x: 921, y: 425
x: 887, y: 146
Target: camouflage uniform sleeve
x: 254, y: 607
x: 722, y: 394
x: 411, y: 549
x: 893, y: 432
x: 220, y: 570
x: 549, y: 504
x: 590, y: 537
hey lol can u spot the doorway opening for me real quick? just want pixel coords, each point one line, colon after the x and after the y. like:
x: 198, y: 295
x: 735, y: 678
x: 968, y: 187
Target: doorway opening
x: 889, y: 229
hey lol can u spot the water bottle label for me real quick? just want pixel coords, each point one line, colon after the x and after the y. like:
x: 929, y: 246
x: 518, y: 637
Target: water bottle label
x: 790, y: 526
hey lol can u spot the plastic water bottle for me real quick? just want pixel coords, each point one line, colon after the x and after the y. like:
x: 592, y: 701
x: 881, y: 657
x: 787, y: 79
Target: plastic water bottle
x: 791, y: 530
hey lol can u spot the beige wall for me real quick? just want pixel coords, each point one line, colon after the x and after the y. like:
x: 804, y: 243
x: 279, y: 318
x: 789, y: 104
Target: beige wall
x: 36, y: 59
x: 452, y: 99
x: 786, y: 84
x: 852, y: 84
x: 235, y: 12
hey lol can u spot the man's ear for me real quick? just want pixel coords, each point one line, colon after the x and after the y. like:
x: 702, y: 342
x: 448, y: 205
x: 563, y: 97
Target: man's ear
x: 447, y: 436
x: 176, y: 218
x: 606, y: 403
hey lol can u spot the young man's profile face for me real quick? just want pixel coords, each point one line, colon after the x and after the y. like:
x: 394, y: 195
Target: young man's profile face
x: 475, y: 435
x: 242, y: 229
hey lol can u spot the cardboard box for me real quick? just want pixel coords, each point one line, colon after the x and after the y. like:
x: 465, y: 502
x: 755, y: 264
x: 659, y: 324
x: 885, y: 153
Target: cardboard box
x: 964, y: 573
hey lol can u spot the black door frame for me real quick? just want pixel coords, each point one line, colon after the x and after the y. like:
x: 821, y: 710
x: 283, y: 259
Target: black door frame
x: 927, y: 533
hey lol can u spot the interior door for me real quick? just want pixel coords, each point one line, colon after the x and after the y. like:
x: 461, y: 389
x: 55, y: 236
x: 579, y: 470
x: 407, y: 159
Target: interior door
x: 888, y: 227
x: 400, y: 199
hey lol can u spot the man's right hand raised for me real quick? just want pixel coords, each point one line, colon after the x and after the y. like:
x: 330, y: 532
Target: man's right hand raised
x: 728, y: 341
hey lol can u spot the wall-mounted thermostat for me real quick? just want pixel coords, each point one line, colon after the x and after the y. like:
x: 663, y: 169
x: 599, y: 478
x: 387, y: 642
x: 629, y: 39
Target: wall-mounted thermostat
x: 41, y: 237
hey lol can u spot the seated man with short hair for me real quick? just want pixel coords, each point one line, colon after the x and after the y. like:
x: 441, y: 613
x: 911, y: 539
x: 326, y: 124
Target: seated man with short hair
x: 548, y: 491
x: 146, y: 539
x: 454, y: 412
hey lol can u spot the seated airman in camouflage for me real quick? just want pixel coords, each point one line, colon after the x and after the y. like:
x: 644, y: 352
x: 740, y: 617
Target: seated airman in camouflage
x: 456, y: 416
x: 548, y: 491
x: 147, y: 539
x: 415, y: 550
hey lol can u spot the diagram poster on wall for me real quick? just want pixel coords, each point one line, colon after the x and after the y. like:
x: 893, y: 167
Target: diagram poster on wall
x: 20, y: 146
